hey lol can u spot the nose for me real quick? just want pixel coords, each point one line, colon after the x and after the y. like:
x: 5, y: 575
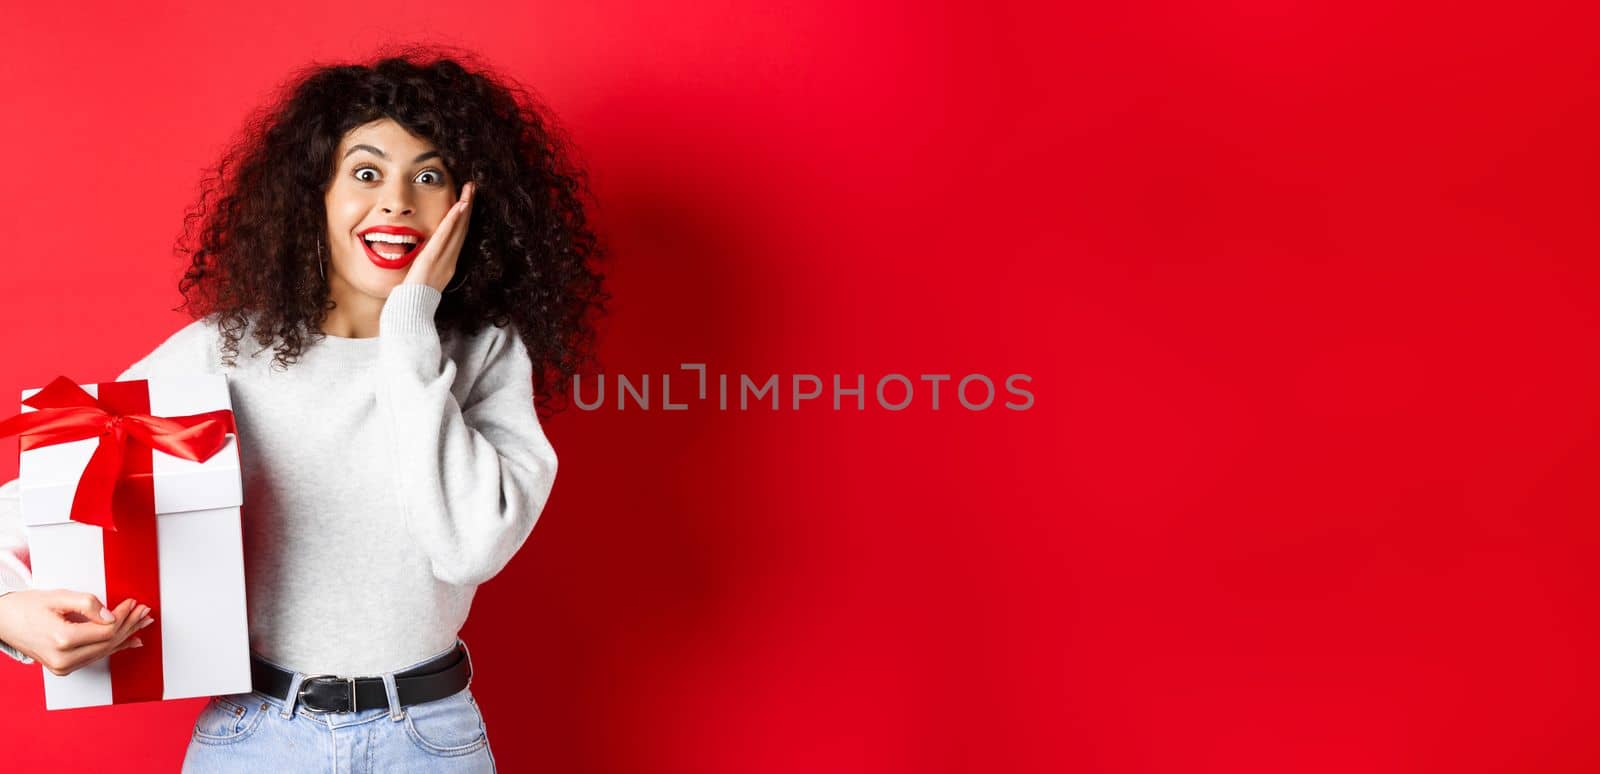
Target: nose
x: 397, y: 199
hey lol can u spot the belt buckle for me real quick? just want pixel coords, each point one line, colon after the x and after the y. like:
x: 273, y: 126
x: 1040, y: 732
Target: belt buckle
x: 301, y: 694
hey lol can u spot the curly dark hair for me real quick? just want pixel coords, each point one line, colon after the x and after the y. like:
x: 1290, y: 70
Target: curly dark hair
x: 529, y: 258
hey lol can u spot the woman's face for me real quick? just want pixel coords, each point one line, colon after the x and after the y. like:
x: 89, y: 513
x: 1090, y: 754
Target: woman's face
x: 389, y: 193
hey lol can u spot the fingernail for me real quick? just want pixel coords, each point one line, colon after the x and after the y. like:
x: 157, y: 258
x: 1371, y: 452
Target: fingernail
x: 137, y: 643
x: 146, y: 622
x: 107, y: 615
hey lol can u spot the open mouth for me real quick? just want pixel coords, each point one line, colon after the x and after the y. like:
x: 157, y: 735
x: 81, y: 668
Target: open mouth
x: 391, y: 251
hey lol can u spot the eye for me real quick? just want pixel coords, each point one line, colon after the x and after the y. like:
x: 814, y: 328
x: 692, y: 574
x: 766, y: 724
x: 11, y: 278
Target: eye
x: 359, y: 170
x: 437, y: 178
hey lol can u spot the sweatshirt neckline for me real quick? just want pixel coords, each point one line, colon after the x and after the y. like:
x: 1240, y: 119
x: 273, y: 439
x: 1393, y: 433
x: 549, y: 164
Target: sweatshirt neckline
x: 345, y: 344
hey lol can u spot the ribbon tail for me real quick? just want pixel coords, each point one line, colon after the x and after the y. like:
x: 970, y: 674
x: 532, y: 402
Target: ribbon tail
x: 53, y: 425
x: 92, y: 503
x: 62, y: 392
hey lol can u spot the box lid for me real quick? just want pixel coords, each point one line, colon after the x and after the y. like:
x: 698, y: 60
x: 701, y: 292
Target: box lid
x: 49, y: 474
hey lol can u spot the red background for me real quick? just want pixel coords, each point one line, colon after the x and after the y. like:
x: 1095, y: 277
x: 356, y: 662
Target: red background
x: 1306, y: 292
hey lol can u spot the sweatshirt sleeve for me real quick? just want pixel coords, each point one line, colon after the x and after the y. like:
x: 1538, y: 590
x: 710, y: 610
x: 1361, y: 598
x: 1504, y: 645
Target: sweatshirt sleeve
x: 472, y: 478
x: 14, y: 566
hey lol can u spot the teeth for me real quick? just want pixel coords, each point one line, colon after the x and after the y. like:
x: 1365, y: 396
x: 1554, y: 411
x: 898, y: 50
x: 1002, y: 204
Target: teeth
x: 397, y: 239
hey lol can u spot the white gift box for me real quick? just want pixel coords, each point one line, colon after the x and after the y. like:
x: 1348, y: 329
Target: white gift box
x: 203, y: 630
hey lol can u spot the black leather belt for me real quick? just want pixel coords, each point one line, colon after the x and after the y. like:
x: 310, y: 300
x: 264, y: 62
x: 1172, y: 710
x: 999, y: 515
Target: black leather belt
x: 436, y: 679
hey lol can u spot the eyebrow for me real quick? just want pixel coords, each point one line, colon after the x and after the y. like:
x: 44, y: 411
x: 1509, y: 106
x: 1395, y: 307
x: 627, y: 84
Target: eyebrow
x: 381, y: 154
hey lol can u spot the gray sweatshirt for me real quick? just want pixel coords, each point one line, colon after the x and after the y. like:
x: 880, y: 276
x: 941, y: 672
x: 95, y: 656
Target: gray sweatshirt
x: 384, y: 479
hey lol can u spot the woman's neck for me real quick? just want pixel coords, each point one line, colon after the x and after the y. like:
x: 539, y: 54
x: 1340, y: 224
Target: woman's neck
x: 355, y: 314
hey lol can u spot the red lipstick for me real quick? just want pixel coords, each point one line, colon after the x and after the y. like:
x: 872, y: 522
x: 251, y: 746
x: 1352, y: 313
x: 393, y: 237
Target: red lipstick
x: 398, y: 262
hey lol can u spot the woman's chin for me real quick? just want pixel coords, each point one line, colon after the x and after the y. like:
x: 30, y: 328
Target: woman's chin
x: 368, y: 281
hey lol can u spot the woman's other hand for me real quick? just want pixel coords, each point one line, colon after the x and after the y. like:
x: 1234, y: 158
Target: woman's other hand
x: 436, y: 264
x: 66, y: 630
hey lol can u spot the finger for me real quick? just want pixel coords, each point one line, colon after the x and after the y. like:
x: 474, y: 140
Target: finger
x: 452, y: 251
x: 86, y: 637
x: 122, y: 612
x: 77, y: 658
x: 136, y: 625
x: 458, y: 226
x: 82, y: 603
x: 70, y: 636
x: 132, y: 642
x: 131, y: 620
x: 136, y: 620
x: 454, y: 219
x: 458, y: 234
x: 466, y: 209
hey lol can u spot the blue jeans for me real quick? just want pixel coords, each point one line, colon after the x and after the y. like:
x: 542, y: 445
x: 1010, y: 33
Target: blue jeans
x: 254, y: 732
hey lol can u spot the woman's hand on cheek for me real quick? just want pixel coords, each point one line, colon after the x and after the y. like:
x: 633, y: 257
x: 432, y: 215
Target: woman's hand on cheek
x: 436, y: 264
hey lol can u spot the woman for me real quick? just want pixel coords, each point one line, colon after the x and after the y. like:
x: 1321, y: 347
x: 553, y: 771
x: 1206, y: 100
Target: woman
x: 392, y: 453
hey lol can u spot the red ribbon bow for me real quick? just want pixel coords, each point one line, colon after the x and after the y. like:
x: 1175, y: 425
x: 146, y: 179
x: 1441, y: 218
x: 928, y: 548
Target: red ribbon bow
x: 67, y: 413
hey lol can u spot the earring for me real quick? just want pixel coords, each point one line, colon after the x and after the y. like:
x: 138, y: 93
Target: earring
x: 320, y: 273
x: 458, y: 284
